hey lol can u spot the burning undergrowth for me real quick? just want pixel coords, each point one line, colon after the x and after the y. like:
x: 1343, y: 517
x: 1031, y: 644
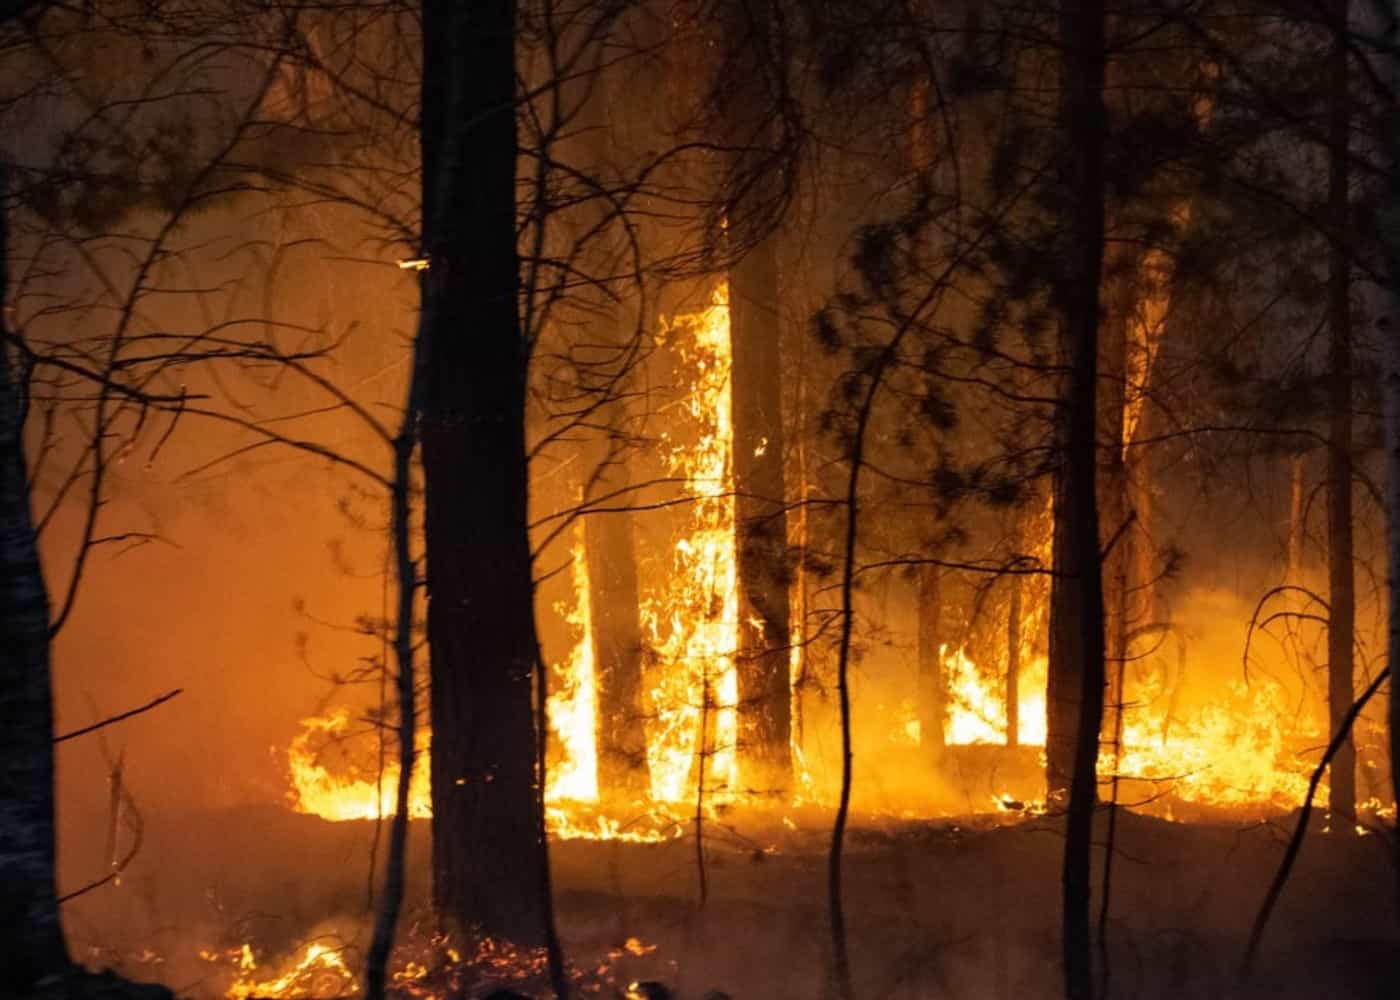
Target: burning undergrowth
x: 425, y: 965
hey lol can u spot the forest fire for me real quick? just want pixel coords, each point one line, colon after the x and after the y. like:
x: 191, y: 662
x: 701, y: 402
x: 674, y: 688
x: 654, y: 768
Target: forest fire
x: 692, y: 622
x: 876, y: 500
x: 691, y: 625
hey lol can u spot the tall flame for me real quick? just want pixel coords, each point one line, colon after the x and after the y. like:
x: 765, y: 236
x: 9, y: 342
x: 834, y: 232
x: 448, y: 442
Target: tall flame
x: 693, y: 621
x: 573, y: 705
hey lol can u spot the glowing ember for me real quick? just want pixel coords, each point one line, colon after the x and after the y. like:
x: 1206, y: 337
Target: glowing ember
x: 692, y: 623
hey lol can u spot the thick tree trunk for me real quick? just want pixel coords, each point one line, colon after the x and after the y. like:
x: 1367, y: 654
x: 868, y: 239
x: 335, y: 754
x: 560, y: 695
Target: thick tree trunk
x: 609, y: 545
x: 31, y: 946
x: 617, y: 646
x: 1342, y: 623
x: 1387, y: 14
x: 765, y: 700
x: 1077, y: 629
x: 487, y: 844
x: 1113, y: 501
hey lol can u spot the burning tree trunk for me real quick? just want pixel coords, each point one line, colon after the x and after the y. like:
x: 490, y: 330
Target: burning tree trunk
x: 487, y: 826
x: 765, y: 700
x: 617, y: 645
x: 1341, y: 584
x: 1077, y: 626
x: 609, y: 546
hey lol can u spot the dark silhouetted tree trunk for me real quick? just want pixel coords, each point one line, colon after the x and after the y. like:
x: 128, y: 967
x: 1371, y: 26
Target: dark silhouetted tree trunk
x: 31, y: 938
x: 33, y: 954
x: 765, y: 698
x: 1340, y: 573
x: 487, y: 827
x: 1077, y: 625
x: 1387, y: 14
x: 933, y: 702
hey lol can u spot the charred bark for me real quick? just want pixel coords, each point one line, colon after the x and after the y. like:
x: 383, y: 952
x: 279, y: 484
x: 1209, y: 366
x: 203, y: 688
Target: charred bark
x: 765, y: 699
x: 487, y: 822
x: 609, y: 545
x: 1077, y: 629
x: 617, y: 647
x: 933, y: 701
x: 1341, y: 796
x: 1386, y: 13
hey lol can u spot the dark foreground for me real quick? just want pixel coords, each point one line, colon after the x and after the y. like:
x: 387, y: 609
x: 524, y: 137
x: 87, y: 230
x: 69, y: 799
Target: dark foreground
x: 936, y: 909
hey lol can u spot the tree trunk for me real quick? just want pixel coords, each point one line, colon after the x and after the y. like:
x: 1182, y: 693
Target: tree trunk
x: 1077, y: 629
x: 1013, y: 650
x: 609, y: 545
x: 765, y: 700
x: 1341, y: 584
x: 1387, y: 14
x: 32, y: 945
x: 617, y: 645
x: 1293, y: 575
x: 487, y: 827
x: 933, y: 701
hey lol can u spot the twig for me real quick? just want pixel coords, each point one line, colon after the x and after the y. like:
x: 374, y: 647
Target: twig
x: 1295, y: 844
x: 118, y: 718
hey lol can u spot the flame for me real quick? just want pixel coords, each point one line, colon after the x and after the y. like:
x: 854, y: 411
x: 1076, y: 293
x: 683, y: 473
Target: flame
x: 421, y: 967
x: 977, y: 703
x: 693, y: 622
x: 318, y: 971
x: 573, y: 705
x: 1232, y: 752
x: 357, y: 791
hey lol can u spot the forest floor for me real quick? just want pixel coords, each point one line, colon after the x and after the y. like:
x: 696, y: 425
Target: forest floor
x: 937, y: 909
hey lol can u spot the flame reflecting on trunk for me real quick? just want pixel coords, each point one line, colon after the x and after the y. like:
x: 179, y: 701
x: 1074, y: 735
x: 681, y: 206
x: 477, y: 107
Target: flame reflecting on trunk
x: 573, y: 701
x: 692, y: 622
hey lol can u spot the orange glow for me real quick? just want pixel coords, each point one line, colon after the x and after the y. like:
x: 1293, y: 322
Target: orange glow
x: 573, y: 703
x: 317, y: 971
x: 692, y: 622
x: 354, y: 790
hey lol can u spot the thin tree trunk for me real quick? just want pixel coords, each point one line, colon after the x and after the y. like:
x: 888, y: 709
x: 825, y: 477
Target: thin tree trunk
x: 765, y: 700
x: 1013, y: 654
x: 932, y: 697
x: 1077, y: 633
x: 488, y: 846
x: 1341, y: 799
x: 405, y: 686
x: 1293, y: 575
x: 617, y: 649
